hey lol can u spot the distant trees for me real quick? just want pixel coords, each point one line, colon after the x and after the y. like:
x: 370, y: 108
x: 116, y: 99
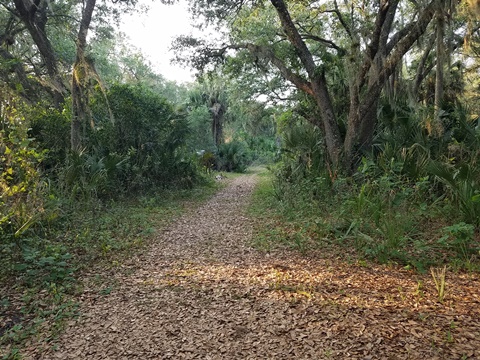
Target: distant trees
x: 211, y: 94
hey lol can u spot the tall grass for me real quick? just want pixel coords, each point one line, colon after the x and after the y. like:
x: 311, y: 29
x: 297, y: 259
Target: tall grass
x: 401, y: 204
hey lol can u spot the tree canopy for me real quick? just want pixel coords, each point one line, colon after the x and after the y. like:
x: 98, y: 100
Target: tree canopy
x: 329, y: 50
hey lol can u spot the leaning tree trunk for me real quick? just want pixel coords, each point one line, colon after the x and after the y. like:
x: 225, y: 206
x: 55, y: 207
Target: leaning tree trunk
x: 80, y: 111
x: 319, y: 90
x: 34, y: 16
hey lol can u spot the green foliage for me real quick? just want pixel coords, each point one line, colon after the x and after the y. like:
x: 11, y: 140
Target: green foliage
x: 207, y: 161
x: 143, y: 147
x: 400, y: 203
x: 232, y: 156
x: 302, y: 161
x: 86, y: 176
x: 460, y: 240
x: 262, y: 148
x: 22, y: 196
x: 50, y: 129
x: 463, y: 181
x: 200, y: 123
x: 50, y: 265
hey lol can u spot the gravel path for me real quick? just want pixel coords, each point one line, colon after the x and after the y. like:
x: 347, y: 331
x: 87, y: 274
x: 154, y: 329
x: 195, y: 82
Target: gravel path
x: 202, y: 293
x: 175, y: 303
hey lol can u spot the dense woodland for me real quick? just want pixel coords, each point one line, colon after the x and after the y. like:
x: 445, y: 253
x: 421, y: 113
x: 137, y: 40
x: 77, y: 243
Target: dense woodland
x: 366, y: 114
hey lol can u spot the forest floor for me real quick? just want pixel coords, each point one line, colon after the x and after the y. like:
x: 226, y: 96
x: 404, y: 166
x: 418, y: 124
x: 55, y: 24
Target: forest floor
x: 202, y: 292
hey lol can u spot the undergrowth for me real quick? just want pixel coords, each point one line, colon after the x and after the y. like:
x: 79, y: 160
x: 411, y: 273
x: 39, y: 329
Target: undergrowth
x: 377, y: 221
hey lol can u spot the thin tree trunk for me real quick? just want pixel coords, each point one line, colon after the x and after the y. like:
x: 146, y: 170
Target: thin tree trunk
x: 79, y: 80
x: 440, y: 48
x: 333, y: 139
x: 217, y: 111
x: 422, y: 71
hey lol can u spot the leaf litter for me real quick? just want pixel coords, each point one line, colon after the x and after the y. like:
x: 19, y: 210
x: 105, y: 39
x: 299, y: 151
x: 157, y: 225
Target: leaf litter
x: 202, y: 292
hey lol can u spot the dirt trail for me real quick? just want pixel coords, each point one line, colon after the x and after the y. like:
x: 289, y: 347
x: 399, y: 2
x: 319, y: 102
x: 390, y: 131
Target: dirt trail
x: 201, y: 292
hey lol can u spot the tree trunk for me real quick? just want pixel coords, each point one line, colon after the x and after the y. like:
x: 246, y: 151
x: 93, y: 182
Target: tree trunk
x: 382, y: 56
x: 333, y: 139
x: 386, y: 57
x: 34, y: 16
x: 422, y: 70
x: 318, y: 84
x: 217, y: 111
x: 439, y: 76
x: 80, y: 111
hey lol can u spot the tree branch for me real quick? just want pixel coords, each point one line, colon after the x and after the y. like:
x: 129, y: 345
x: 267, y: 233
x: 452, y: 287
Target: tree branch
x: 267, y: 54
x: 342, y: 20
x: 403, y: 46
x: 383, y: 24
x: 294, y: 37
x: 328, y: 43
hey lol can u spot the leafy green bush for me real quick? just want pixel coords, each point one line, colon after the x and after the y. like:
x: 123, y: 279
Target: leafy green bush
x: 398, y: 204
x: 460, y: 240
x: 200, y: 122
x: 206, y: 160
x: 88, y: 176
x: 463, y: 182
x: 233, y: 156
x: 22, y: 196
x: 143, y: 146
x: 47, y: 265
x: 50, y: 129
x: 264, y: 149
x: 26, y: 202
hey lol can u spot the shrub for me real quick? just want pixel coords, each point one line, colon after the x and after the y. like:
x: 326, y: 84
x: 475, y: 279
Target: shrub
x: 232, y: 156
x: 23, y: 193
x: 50, y: 131
x: 145, y: 142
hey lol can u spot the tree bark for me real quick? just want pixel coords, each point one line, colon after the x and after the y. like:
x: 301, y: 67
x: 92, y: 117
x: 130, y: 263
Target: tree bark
x: 33, y: 13
x: 422, y: 71
x: 439, y: 73
x: 79, y: 80
x: 217, y: 110
x: 318, y: 83
x: 362, y: 118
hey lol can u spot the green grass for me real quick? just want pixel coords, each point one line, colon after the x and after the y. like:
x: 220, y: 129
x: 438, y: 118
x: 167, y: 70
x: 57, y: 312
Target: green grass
x: 41, y: 278
x: 376, y: 222
x: 276, y: 223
